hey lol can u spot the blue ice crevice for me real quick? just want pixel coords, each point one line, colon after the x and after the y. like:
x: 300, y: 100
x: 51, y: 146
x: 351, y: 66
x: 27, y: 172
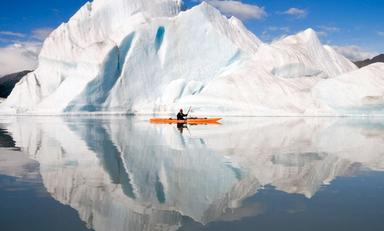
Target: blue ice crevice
x: 159, y: 37
x: 97, y: 91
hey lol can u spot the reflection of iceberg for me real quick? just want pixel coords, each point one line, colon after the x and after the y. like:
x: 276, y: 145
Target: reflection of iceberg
x: 138, y: 176
x: 299, y: 155
x: 13, y: 162
x: 17, y: 164
x: 154, y: 174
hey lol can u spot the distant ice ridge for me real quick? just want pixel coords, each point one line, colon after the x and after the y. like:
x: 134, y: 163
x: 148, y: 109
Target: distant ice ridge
x: 149, y: 57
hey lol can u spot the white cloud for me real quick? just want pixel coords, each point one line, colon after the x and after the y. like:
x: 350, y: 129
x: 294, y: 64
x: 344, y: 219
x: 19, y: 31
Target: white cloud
x: 380, y: 33
x: 354, y: 53
x: 330, y: 28
x: 19, y: 57
x: 41, y: 33
x: 12, y: 34
x: 238, y: 9
x: 273, y: 33
x: 6, y: 40
x: 296, y: 12
x: 321, y: 33
x: 326, y: 30
x: 275, y: 28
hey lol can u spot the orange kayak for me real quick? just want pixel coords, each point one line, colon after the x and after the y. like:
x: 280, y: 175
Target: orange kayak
x: 186, y: 121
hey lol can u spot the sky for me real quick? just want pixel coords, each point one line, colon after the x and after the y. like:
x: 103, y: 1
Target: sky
x: 355, y: 28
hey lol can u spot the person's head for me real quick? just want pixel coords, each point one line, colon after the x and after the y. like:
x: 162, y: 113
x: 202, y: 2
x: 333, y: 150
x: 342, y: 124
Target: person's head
x: 181, y: 110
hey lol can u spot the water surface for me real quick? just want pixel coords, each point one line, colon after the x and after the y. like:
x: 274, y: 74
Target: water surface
x: 123, y: 173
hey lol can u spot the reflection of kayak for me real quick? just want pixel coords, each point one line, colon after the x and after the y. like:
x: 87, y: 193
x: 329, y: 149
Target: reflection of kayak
x: 187, y: 121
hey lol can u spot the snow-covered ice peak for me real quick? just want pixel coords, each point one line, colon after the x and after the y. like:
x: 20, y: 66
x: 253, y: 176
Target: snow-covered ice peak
x: 104, y: 20
x: 232, y: 28
x: 307, y: 36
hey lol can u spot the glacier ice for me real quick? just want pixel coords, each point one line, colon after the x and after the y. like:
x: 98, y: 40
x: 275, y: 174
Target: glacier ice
x: 360, y: 91
x: 150, y: 57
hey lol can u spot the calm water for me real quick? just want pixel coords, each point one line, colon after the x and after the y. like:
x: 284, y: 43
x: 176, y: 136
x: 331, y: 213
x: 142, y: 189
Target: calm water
x: 122, y: 173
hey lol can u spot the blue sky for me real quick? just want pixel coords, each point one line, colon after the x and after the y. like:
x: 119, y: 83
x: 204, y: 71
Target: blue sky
x: 340, y: 22
x: 356, y: 28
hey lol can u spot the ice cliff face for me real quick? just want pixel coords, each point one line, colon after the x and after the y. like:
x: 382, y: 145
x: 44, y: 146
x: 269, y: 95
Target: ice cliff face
x: 149, y: 57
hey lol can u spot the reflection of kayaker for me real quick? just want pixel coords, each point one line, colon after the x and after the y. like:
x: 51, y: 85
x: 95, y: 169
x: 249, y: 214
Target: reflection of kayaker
x: 181, y: 126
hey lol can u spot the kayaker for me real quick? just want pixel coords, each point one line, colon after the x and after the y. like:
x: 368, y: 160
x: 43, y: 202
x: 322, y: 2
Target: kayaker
x: 181, y: 115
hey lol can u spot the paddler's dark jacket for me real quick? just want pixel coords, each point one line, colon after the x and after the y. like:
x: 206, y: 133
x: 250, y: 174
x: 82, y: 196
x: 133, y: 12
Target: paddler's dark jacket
x: 180, y: 116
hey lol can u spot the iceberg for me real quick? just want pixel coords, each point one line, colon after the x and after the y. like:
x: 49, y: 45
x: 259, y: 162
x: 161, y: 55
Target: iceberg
x: 360, y: 91
x: 151, y: 57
